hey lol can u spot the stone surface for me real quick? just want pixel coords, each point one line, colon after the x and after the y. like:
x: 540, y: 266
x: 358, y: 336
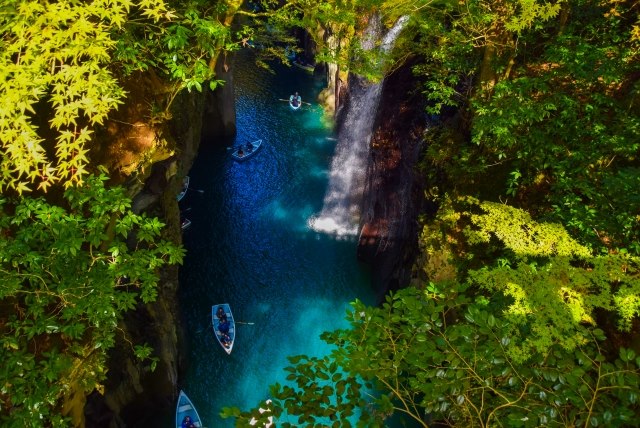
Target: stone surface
x: 393, y: 195
x: 219, y: 118
x: 132, y: 391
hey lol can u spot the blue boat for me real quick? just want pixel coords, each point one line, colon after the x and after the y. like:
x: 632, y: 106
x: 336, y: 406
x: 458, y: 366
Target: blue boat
x: 185, y: 409
x: 224, y: 327
x: 185, y: 223
x: 245, y: 151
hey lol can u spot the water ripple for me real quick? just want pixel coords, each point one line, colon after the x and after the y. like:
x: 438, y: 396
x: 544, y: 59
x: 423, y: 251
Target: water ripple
x: 251, y: 245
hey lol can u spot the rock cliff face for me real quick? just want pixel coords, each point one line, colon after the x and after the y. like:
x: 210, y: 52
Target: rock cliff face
x: 393, y: 195
x: 133, y: 393
x: 220, y: 112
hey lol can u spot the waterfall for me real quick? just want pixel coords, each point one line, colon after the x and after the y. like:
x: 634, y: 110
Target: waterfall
x: 340, y: 214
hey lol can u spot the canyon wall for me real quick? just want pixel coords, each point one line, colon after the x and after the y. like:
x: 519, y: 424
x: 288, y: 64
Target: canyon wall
x: 151, y: 160
x: 393, y: 195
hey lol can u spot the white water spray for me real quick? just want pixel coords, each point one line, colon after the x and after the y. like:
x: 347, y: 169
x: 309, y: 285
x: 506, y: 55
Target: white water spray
x: 340, y: 213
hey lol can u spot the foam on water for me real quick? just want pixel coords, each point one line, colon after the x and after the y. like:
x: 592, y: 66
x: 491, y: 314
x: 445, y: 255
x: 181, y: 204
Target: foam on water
x: 340, y: 213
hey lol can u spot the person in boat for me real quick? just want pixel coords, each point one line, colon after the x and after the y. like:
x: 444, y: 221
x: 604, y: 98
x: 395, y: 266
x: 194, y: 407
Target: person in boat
x: 187, y: 422
x: 226, y: 340
x: 240, y: 151
x: 249, y: 147
x: 223, y: 326
x: 295, y: 100
x: 222, y: 316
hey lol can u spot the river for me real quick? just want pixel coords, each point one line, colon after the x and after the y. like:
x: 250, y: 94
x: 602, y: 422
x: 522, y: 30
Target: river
x: 250, y: 245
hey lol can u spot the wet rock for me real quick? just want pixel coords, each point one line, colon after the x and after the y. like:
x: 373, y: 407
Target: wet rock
x: 392, y: 197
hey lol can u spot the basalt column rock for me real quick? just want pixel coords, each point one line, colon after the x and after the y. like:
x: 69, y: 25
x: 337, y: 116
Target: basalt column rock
x: 220, y: 109
x: 133, y: 392
x: 392, y: 197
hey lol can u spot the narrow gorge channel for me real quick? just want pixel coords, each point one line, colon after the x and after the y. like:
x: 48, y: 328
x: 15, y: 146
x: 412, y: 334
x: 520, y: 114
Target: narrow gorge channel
x: 250, y: 245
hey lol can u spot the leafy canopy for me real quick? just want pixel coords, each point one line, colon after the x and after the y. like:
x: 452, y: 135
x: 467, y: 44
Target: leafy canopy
x: 552, y: 284
x: 59, y: 52
x: 436, y: 354
x: 62, y: 68
x: 69, y: 271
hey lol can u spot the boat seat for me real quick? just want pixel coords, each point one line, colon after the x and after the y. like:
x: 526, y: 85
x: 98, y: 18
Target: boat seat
x: 185, y: 408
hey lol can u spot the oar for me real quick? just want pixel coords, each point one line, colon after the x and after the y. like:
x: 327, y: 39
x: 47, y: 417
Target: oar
x: 237, y: 322
x: 235, y: 147
x: 303, y: 102
x: 197, y: 190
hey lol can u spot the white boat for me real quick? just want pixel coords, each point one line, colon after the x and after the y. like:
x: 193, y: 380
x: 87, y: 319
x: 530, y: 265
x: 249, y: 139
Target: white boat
x: 185, y: 187
x: 245, y: 151
x: 295, y: 107
x: 224, y: 327
x: 185, y: 409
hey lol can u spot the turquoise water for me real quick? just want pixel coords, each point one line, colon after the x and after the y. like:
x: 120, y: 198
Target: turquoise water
x: 250, y: 245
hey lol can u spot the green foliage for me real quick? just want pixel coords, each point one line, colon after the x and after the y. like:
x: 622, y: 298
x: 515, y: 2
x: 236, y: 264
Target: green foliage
x: 319, y: 394
x: 519, y: 233
x: 550, y: 303
x: 528, y: 13
x: 445, y: 355
x: 59, y: 52
x: 558, y: 130
x: 454, y: 352
x: 450, y: 58
x: 552, y: 284
x: 182, y: 47
x: 69, y: 272
x: 563, y: 124
x: 456, y: 37
x: 62, y: 70
x: 338, y: 30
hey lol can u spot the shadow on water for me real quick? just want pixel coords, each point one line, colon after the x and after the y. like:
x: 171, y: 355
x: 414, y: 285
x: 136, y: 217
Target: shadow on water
x: 250, y: 246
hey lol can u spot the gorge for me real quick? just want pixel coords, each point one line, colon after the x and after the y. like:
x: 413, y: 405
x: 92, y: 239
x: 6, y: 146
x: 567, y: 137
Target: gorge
x: 460, y: 249
x: 297, y: 147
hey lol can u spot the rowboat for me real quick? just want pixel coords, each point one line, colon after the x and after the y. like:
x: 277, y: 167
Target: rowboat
x: 245, y: 151
x: 185, y: 223
x: 185, y: 409
x: 185, y: 187
x: 224, y: 327
x: 295, y: 107
x: 306, y: 67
